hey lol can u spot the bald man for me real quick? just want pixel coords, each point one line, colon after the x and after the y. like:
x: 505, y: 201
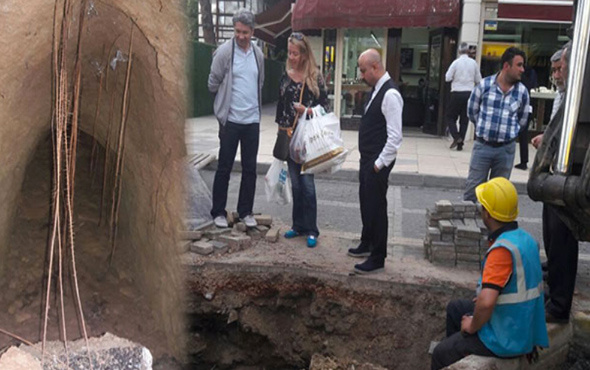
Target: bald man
x: 380, y: 136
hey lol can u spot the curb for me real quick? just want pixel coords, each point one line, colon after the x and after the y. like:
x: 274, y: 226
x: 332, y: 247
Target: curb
x: 395, y: 178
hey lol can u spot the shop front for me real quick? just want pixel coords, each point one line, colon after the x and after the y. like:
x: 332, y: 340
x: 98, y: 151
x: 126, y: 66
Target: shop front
x: 539, y: 28
x: 417, y: 42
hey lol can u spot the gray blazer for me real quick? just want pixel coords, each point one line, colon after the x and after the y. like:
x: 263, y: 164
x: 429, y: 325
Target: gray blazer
x: 220, y: 78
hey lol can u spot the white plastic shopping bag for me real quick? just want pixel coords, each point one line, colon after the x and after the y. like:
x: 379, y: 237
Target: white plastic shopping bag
x: 317, y: 143
x: 277, y: 184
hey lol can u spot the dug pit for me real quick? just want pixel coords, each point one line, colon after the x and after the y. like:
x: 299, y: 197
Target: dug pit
x: 275, y: 305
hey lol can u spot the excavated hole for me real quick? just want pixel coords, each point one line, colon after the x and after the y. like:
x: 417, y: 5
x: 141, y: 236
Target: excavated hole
x: 278, y: 317
x: 111, y: 299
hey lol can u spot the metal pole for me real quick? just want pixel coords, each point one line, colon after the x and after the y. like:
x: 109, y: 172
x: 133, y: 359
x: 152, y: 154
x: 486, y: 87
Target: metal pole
x: 575, y: 79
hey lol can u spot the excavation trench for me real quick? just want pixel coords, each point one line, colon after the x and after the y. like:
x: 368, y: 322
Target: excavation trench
x: 140, y: 296
x: 277, y: 317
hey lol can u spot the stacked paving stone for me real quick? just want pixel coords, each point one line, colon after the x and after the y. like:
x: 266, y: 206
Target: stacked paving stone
x: 234, y: 238
x: 456, y: 235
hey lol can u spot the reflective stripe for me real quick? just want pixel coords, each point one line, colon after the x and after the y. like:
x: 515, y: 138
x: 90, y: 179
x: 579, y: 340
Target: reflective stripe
x: 522, y: 293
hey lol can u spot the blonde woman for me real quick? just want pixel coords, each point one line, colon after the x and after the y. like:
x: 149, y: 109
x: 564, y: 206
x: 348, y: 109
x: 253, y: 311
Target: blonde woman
x: 301, y: 73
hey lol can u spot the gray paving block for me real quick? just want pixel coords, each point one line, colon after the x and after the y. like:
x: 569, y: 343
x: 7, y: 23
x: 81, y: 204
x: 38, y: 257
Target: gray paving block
x: 236, y: 242
x: 265, y: 220
x: 240, y: 226
x: 219, y: 246
x: 434, y: 233
x: 468, y: 232
x: 443, y: 206
x: 467, y: 242
x: 202, y: 248
x: 446, y: 226
x: 217, y: 232
x: 468, y: 257
x: 190, y: 235
x: 272, y: 235
x: 447, y: 237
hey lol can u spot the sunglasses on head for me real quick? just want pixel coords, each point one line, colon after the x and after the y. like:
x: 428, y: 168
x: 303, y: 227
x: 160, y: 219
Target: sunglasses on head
x: 297, y: 36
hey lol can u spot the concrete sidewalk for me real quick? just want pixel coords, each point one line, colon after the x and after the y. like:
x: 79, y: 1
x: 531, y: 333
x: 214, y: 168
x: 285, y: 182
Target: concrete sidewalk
x: 423, y: 160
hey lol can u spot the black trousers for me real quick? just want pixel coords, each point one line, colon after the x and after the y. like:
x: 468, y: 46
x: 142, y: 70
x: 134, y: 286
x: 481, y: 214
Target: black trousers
x: 457, y: 344
x: 458, y: 108
x: 373, y: 198
x: 523, y: 143
x: 561, y: 248
x: 230, y: 135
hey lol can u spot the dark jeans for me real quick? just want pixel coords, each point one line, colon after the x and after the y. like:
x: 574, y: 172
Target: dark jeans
x: 523, y: 143
x: 305, y: 209
x: 373, y: 198
x: 458, y: 108
x: 562, y: 263
x: 457, y: 344
x: 230, y: 135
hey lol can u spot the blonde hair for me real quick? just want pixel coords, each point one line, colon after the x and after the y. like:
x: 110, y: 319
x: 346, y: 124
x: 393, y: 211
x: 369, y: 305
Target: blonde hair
x: 310, y: 69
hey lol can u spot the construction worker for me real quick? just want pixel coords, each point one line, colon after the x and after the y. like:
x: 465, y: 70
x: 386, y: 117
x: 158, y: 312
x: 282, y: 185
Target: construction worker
x: 507, y: 317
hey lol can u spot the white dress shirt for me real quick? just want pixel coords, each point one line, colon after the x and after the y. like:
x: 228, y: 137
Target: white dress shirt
x: 464, y: 74
x: 557, y: 103
x: 392, y: 108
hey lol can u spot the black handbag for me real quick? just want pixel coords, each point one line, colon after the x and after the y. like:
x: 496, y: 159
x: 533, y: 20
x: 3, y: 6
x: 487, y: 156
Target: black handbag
x: 281, y: 148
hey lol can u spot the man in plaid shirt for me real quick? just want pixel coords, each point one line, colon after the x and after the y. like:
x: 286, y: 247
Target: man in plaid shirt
x: 499, y: 107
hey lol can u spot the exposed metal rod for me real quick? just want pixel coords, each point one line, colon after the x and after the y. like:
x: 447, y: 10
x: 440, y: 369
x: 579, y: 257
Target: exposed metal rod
x: 575, y: 78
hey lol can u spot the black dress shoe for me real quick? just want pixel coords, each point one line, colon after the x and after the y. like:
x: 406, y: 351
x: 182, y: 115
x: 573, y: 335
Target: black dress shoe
x: 370, y: 266
x: 521, y: 166
x: 361, y: 251
x: 455, y: 143
x: 459, y: 147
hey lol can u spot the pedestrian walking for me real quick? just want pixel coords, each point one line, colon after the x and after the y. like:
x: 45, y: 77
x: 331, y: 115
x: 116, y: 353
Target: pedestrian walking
x: 507, y: 317
x: 380, y: 136
x: 463, y: 74
x: 499, y: 107
x: 236, y: 79
x: 301, y: 87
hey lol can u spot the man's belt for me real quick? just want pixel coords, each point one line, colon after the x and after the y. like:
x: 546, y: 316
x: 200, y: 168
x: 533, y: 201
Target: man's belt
x: 494, y: 144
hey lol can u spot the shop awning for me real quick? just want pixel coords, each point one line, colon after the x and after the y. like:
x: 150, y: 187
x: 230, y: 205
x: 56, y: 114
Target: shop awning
x: 274, y: 21
x: 536, y: 10
x: 318, y: 14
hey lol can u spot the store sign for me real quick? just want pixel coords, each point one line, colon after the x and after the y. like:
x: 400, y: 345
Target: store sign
x: 490, y: 26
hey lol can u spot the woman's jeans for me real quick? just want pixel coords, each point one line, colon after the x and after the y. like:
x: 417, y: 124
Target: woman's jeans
x: 305, y: 209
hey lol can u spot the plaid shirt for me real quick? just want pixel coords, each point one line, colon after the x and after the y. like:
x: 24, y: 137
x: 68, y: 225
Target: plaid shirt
x: 498, y: 117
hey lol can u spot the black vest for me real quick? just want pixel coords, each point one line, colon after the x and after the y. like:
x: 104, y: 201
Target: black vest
x: 373, y: 129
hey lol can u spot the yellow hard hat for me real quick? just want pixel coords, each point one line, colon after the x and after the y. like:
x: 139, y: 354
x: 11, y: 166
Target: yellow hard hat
x: 498, y: 196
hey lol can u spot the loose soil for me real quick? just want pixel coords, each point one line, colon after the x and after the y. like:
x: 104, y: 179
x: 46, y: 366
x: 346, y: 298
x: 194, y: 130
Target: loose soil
x: 110, y: 297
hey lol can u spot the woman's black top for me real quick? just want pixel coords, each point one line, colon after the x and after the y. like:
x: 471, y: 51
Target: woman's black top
x: 289, y: 92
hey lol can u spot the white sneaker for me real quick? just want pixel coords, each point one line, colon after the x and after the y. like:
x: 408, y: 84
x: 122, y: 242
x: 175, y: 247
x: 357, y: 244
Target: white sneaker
x: 250, y: 221
x: 220, y: 221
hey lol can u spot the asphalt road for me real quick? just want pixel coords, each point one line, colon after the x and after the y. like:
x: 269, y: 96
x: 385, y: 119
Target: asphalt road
x: 339, y: 212
x: 338, y: 207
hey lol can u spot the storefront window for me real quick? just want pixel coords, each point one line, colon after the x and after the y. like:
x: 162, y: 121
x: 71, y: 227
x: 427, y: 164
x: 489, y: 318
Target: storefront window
x: 329, y: 63
x: 538, y: 40
x: 354, y: 91
x: 414, y: 65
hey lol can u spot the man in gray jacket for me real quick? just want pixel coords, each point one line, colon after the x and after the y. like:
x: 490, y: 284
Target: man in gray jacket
x: 236, y: 78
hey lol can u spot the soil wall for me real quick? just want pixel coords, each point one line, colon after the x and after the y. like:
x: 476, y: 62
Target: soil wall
x: 151, y: 198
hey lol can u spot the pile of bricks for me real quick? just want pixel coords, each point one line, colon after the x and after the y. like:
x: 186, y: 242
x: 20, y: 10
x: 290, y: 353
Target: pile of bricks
x: 234, y: 238
x: 456, y: 235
